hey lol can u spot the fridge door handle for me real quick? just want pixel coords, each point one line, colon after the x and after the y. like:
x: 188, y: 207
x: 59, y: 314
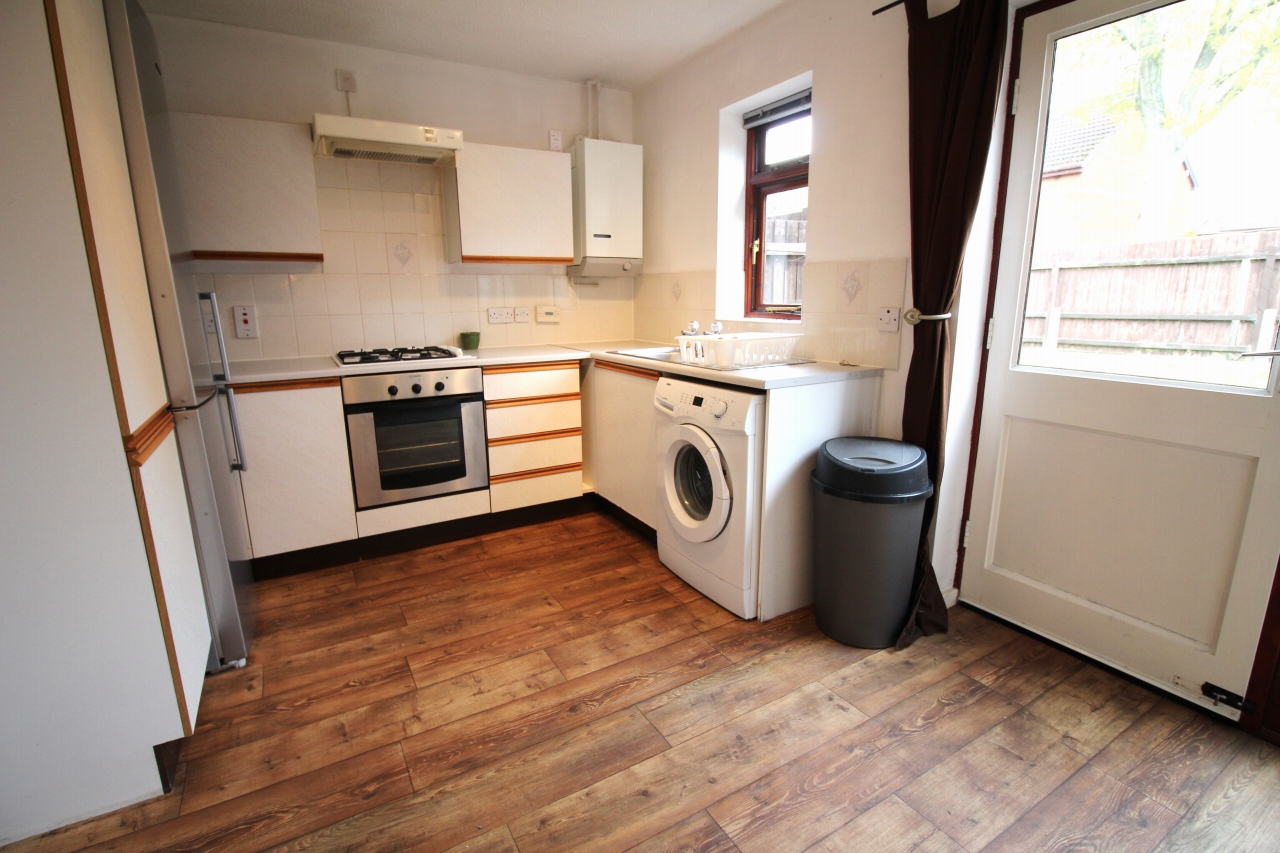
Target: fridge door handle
x: 217, y: 332
x: 238, y: 464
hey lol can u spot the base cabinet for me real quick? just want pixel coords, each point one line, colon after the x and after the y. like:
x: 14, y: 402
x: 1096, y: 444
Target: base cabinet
x: 297, y: 481
x: 621, y: 423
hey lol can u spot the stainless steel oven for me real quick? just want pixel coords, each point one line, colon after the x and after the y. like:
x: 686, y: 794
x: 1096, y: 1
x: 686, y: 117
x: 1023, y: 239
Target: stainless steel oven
x: 415, y: 435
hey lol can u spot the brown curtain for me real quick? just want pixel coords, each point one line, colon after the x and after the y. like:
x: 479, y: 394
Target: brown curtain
x: 953, y: 63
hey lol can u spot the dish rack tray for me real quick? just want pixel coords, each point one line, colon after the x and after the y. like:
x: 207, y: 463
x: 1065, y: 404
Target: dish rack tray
x: 740, y: 349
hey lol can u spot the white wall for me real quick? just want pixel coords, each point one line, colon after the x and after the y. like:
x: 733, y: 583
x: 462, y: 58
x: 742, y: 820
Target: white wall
x: 85, y: 658
x: 858, y: 180
x: 232, y: 71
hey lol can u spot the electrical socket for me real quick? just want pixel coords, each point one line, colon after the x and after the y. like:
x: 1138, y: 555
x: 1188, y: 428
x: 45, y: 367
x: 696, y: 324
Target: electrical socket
x: 555, y: 142
x: 346, y: 80
x: 546, y: 314
x: 888, y: 318
x: 501, y: 315
x: 246, y: 321
x: 522, y: 314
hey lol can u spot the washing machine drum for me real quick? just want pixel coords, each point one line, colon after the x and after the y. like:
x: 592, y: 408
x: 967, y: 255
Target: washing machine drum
x: 696, y: 496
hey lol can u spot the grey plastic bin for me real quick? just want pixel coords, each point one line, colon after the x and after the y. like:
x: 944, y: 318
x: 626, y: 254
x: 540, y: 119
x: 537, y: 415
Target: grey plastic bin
x: 868, y: 508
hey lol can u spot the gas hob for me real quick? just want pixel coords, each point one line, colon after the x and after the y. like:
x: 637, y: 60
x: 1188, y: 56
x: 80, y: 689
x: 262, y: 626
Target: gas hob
x: 380, y: 356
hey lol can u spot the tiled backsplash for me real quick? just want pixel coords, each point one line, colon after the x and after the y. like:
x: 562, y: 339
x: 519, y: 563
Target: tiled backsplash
x: 839, y: 322
x: 385, y: 282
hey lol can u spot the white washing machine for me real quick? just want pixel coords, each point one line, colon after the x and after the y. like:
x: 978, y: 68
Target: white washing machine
x: 708, y: 443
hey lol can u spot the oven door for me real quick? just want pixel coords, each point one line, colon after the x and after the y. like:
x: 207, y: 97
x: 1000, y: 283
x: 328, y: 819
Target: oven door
x: 410, y: 449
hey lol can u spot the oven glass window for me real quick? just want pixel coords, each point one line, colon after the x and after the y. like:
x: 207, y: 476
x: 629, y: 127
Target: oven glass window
x: 419, y: 445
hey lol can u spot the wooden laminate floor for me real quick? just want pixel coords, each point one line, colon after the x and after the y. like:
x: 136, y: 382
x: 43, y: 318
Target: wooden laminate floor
x: 554, y: 688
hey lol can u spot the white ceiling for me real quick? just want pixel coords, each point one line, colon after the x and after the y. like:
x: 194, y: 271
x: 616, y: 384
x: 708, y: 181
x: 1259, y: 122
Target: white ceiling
x: 621, y: 42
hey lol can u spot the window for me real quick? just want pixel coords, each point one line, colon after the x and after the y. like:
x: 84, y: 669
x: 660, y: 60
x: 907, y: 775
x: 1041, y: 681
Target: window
x: 779, y: 137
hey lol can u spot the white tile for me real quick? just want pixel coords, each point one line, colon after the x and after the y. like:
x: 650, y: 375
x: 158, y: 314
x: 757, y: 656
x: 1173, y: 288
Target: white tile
x: 426, y: 179
x: 437, y: 217
x: 242, y: 349
x: 314, y: 337
x: 330, y: 172
x: 566, y: 295
x: 402, y: 254
x: 335, y: 209
x: 339, y: 251
x: 491, y: 292
x: 529, y: 290
x: 396, y: 177
x: 431, y: 254
x: 379, y: 331
x: 397, y: 213
x: 406, y: 294
x: 342, y: 293
x: 347, y: 331
x: 438, y: 329
x: 435, y: 295
x: 462, y: 293
x: 409, y: 330
x: 308, y: 293
x: 366, y: 211
x: 371, y: 252
x: 567, y: 330
x: 233, y: 289
x: 518, y: 334
x: 279, y: 339
x: 888, y: 283
x: 375, y: 295
x: 495, y: 334
x: 271, y: 294
x: 468, y: 321
x: 363, y: 175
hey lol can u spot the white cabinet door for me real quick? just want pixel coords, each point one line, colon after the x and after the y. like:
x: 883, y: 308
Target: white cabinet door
x: 508, y: 205
x: 623, y: 462
x: 608, y: 199
x: 296, y: 482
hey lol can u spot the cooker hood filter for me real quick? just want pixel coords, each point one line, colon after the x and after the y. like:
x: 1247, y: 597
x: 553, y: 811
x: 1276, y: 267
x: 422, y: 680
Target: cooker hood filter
x: 391, y: 142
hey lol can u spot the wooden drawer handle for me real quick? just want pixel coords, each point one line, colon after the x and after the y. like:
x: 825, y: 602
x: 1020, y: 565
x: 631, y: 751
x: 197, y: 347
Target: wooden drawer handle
x: 535, y: 436
x: 286, y: 385
x: 531, y: 401
x: 499, y: 479
x: 629, y: 370
x: 530, y: 368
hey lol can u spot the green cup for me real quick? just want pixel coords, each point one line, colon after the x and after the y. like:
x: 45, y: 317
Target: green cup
x: 469, y: 340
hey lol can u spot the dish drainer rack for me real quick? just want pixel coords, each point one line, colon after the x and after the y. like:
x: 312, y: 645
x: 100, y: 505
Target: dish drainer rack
x: 737, y: 349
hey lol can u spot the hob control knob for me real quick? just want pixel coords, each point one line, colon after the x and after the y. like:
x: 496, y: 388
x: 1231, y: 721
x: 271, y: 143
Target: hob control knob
x: 393, y: 390
x: 417, y: 389
x: 439, y: 386
x: 718, y: 408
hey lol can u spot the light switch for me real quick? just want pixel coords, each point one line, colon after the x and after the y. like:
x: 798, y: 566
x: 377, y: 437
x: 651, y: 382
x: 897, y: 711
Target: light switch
x: 246, y: 321
x: 555, y: 142
x: 522, y: 314
x: 501, y: 315
x: 888, y: 319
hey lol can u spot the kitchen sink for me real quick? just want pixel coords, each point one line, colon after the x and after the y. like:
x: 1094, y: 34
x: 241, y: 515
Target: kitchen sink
x: 671, y: 354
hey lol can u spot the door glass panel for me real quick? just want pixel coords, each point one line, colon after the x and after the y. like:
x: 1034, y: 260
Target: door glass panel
x: 786, y: 221
x: 1158, y: 222
x: 419, y: 445
x: 693, y: 483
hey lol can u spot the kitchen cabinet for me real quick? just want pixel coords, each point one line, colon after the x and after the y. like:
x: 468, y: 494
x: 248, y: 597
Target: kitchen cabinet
x: 508, y: 205
x: 237, y: 190
x: 296, y: 481
x: 608, y: 200
x: 534, y: 425
x: 621, y: 424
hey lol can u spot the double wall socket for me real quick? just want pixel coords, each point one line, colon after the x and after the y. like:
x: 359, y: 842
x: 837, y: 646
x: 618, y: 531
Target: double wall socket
x: 502, y: 315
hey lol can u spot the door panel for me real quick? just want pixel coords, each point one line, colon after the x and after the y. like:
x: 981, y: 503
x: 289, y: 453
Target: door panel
x: 1118, y: 509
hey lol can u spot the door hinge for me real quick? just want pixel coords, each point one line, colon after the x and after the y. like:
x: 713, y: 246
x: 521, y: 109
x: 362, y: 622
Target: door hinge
x: 1013, y: 105
x: 965, y: 541
x: 1222, y: 696
x: 991, y: 327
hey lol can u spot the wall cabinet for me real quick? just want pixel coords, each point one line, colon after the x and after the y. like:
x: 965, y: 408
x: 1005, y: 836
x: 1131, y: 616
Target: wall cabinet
x: 236, y: 189
x: 508, y: 205
x: 608, y: 200
x: 621, y: 422
x: 297, y: 481
x: 534, y: 425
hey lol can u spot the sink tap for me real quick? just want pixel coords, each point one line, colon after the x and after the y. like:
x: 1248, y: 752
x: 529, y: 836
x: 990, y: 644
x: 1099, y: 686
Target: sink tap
x: 693, y: 328
x: 717, y: 327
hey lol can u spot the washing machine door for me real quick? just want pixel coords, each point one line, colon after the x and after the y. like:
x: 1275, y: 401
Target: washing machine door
x: 696, y: 496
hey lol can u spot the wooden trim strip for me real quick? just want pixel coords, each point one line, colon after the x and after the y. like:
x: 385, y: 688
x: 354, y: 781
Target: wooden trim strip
x: 287, y: 385
x: 113, y: 370
x: 531, y: 401
x: 272, y: 257
x: 530, y: 368
x: 499, y: 479
x: 629, y: 370
x: 142, y: 442
x: 507, y: 259
x: 535, y: 436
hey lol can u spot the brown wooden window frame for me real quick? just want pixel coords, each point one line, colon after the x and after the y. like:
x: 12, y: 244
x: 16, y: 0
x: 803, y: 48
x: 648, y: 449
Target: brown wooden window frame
x: 762, y: 181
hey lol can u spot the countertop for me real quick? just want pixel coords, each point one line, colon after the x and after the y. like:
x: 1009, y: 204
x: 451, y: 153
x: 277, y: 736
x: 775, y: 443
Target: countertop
x: 763, y: 378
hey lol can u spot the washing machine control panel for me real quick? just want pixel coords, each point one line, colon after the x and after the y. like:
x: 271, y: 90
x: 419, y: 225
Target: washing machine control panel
x: 716, y: 408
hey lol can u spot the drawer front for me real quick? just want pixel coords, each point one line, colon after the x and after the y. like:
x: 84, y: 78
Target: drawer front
x: 506, y: 421
x: 535, y: 490
x: 530, y: 383
x: 532, y: 455
x: 385, y: 519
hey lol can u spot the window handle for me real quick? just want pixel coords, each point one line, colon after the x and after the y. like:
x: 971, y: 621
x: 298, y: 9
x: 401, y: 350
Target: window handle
x: 755, y: 250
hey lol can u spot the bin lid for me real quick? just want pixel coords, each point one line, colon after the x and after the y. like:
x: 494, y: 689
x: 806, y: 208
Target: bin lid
x: 863, y: 466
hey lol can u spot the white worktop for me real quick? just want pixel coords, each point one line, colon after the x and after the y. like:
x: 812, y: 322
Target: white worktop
x: 763, y: 378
